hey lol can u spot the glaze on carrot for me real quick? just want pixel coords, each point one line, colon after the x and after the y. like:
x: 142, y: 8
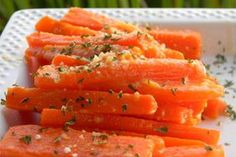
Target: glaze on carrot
x: 215, y: 108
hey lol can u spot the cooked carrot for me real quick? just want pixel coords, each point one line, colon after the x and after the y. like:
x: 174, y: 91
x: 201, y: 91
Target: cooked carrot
x: 82, y: 17
x: 114, y: 122
x: 187, y: 42
x: 69, y: 60
x: 158, y: 70
x: 82, y: 101
x: 169, y: 53
x: 193, y: 151
x: 32, y: 64
x: 174, y: 114
x: 215, y: 108
x: 173, y: 141
x: 34, y: 141
x: 50, y: 25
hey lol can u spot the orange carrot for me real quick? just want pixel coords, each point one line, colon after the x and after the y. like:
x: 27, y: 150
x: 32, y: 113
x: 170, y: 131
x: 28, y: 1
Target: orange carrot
x: 187, y: 42
x: 50, y: 25
x: 69, y: 60
x: 193, y: 151
x: 82, y: 101
x: 34, y: 141
x: 215, y: 108
x: 112, y: 122
x: 173, y: 141
x: 32, y: 64
x: 120, y: 71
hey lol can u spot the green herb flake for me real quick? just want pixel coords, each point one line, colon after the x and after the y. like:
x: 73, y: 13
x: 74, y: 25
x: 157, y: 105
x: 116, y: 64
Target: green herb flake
x: 132, y: 88
x: 26, y: 139
x: 25, y: 100
x: 120, y: 94
x: 220, y: 59
x: 106, y: 48
x: 190, y: 61
x: 227, y: 144
x: 99, y: 138
x: 61, y: 69
x: 228, y: 83
x: 86, y: 45
x: 208, y: 148
x: 124, y: 107
x: 3, y: 102
x: 173, y: 91
x: 84, y: 35
x: 57, y: 139
x: 107, y: 36
x: 230, y: 112
x: 110, y: 91
x: 89, y: 100
x: 79, y: 99
x: 183, y: 80
x: 71, y: 121
x: 162, y: 130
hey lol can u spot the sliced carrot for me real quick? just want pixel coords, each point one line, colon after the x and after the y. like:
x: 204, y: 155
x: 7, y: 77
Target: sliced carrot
x: 82, y: 101
x: 158, y: 70
x: 193, y: 151
x: 187, y: 42
x: 174, y: 114
x: 173, y: 141
x: 215, y: 108
x: 69, y: 60
x: 32, y: 64
x: 50, y: 25
x: 112, y: 122
x: 82, y: 17
x: 34, y: 141
x: 169, y: 53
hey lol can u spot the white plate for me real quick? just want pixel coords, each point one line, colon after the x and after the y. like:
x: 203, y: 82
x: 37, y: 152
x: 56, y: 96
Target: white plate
x: 218, y: 28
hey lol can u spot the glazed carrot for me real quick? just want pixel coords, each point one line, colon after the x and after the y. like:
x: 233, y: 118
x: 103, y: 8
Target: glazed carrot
x: 169, y: 53
x: 193, y: 151
x: 158, y: 70
x: 187, y: 42
x: 82, y: 101
x: 82, y: 17
x: 215, y: 108
x: 69, y: 60
x: 173, y: 141
x: 50, y: 25
x: 174, y: 114
x: 34, y: 141
x: 32, y: 64
x: 111, y: 122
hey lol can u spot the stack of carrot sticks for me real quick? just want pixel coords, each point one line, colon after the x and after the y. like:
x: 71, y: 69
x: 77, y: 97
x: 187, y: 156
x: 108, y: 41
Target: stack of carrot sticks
x: 137, y: 91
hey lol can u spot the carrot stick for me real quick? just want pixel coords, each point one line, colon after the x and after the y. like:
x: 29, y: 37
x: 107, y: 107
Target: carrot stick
x: 215, y: 108
x: 28, y: 99
x: 173, y: 141
x: 50, y: 25
x: 126, y: 71
x: 187, y: 42
x: 34, y: 141
x: 110, y: 122
x: 193, y: 151
x: 69, y: 60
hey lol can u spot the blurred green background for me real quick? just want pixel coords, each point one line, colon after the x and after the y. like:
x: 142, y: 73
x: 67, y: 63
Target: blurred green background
x: 7, y: 7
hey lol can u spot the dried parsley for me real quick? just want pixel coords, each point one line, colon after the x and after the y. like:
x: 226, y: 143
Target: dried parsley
x: 120, y: 94
x: 80, y: 80
x: 230, y: 112
x: 190, y: 61
x: 208, y: 148
x: 79, y: 99
x: 228, y: 83
x: 84, y: 35
x: 3, y: 102
x: 99, y: 138
x: 86, y: 45
x: 107, y: 36
x: 132, y: 88
x: 57, y: 139
x: 183, y: 80
x: 110, y: 91
x: 124, y: 107
x: 26, y: 139
x: 173, y: 91
x: 220, y: 59
x: 25, y: 100
x: 162, y: 130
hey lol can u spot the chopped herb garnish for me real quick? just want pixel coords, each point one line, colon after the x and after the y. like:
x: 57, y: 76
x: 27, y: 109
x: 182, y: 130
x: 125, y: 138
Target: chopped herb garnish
x: 130, y: 146
x: 26, y: 139
x: 79, y: 99
x: 124, y: 107
x: 99, y: 138
x: 84, y: 35
x: 208, y: 148
x: 3, y: 102
x: 69, y: 123
x: 107, y: 36
x: 230, y: 112
x: 139, y: 33
x: 106, y: 26
x: 114, y: 59
x: 120, y: 94
x: 110, y: 91
x: 46, y: 74
x: 97, y: 65
x: 132, y: 88
x: 227, y: 144
x: 86, y: 44
x: 61, y: 69
x: 15, y: 85
x: 190, y: 61
x: 228, y: 83
x: 207, y: 66
x: 89, y: 70
x: 89, y: 100
x: 162, y: 130
x: 42, y: 129
x: 25, y: 100
x: 173, y: 91
x: 57, y: 139
x: 183, y: 80
x: 220, y: 59
x: 106, y: 48
x: 81, y: 80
